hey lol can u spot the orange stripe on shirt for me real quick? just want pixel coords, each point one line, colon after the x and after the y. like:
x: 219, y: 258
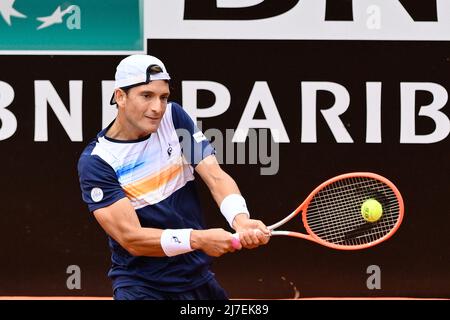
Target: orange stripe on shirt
x: 139, y: 188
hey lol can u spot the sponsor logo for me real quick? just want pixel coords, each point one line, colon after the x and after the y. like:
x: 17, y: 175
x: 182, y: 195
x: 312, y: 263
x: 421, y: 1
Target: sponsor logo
x: 299, y: 19
x: 7, y: 11
x: 97, y: 194
x: 82, y: 26
x: 175, y: 239
x: 199, y: 137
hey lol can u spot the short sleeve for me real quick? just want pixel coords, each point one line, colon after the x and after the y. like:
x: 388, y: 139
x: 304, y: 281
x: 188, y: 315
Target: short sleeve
x: 98, y: 182
x: 195, y: 145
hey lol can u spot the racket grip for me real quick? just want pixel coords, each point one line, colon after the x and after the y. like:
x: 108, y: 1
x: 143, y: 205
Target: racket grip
x: 235, y: 242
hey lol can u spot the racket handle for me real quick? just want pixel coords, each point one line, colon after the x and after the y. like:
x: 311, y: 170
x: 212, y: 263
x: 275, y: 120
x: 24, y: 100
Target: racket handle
x: 235, y: 242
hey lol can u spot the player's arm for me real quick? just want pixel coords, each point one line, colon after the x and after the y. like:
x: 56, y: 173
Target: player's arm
x: 120, y: 221
x: 224, y: 188
x: 221, y: 185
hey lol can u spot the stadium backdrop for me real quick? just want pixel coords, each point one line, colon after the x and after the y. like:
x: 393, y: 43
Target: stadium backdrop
x: 380, y: 68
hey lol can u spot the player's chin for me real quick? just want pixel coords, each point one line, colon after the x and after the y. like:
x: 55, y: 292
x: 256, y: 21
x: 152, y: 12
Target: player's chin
x: 151, y: 125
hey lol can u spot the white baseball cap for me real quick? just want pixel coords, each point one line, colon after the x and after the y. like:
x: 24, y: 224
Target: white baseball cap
x: 139, y: 69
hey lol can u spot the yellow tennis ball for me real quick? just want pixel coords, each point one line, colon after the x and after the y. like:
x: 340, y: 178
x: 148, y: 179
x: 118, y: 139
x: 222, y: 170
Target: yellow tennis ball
x: 371, y: 210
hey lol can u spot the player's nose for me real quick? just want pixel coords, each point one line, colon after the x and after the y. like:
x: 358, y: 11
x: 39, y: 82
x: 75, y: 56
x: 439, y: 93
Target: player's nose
x: 157, y: 107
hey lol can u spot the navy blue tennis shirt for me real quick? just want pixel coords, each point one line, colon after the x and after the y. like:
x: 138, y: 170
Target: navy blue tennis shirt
x: 156, y: 173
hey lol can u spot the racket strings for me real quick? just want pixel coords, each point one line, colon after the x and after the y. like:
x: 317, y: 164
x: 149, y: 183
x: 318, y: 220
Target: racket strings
x: 346, y: 219
x: 344, y: 206
x: 355, y: 233
x: 334, y: 213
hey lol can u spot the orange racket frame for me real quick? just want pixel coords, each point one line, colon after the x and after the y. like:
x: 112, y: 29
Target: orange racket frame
x: 313, y: 237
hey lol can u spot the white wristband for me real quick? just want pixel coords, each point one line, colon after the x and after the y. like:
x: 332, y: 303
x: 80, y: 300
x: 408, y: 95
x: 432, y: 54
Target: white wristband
x: 176, y: 241
x: 233, y: 205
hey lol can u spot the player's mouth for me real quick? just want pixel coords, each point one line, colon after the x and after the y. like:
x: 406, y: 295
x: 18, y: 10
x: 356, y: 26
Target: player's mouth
x: 153, y: 118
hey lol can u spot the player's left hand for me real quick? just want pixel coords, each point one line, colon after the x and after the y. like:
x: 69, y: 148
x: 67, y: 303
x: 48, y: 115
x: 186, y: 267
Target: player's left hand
x: 252, y: 233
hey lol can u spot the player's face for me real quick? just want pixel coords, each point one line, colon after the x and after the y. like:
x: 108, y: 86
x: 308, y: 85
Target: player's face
x: 145, y: 105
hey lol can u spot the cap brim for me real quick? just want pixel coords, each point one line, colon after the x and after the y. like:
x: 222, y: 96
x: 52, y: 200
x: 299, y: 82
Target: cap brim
x: 159, y: 76
x: 113, y: 100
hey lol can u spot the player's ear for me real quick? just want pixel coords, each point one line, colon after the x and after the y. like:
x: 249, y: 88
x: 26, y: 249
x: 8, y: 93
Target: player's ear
x: 120, y: 96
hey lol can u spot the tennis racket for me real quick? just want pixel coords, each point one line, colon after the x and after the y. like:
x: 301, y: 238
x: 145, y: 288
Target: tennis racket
x: 332, y: 216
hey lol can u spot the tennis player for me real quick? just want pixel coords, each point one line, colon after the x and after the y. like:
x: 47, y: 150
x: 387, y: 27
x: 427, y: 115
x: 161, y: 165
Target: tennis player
x: 137, y: 178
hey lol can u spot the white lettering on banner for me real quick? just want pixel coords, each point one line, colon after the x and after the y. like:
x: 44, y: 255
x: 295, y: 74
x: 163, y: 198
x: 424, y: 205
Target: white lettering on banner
x: 7, y: 119
x: 373, y: 118
x: 109, y: 111
x: 372, y: 20
x: 331, y: 115
x: 261, y: 95
x: 432, y: 111
x: 71, y: 120
x: 45, y: 94
x: 190, y: 92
